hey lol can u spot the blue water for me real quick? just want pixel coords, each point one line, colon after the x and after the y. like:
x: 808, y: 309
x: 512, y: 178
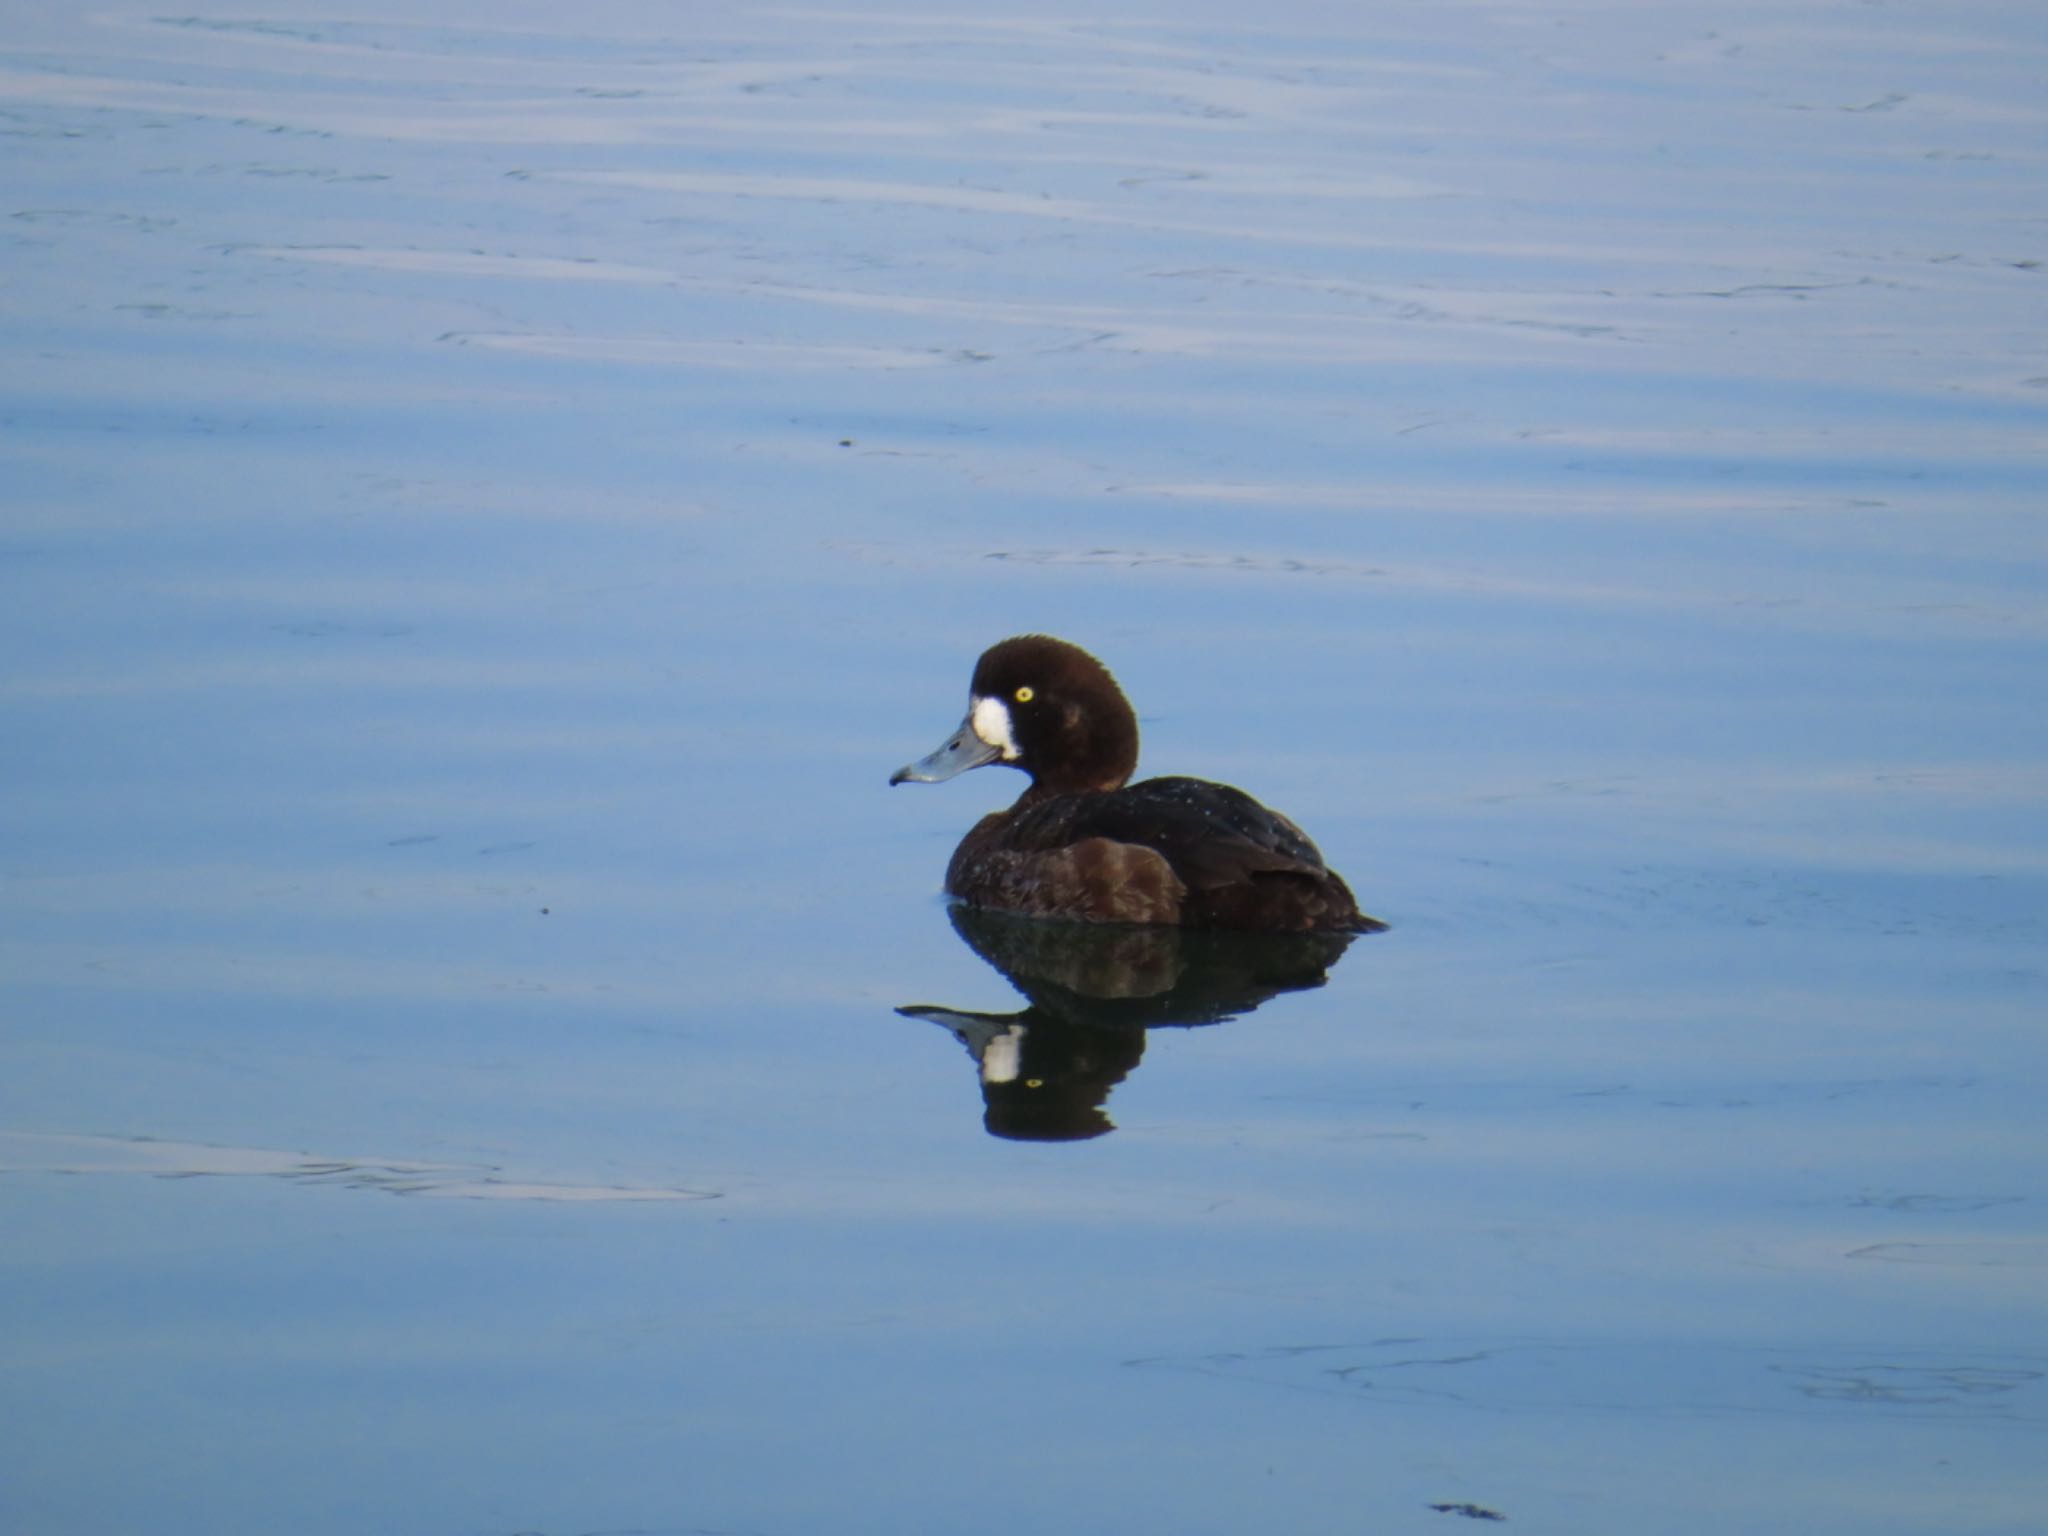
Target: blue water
x: 490, y: 497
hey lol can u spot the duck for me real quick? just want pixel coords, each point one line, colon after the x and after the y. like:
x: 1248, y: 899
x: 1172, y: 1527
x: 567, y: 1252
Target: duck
x: 1083, y: 843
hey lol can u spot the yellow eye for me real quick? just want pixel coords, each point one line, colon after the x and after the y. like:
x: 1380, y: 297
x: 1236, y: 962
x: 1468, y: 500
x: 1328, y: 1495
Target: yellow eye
x: 1025, y: 695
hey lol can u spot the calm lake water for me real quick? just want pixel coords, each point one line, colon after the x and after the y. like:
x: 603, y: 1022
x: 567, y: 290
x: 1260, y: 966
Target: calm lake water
x: 489, y: 498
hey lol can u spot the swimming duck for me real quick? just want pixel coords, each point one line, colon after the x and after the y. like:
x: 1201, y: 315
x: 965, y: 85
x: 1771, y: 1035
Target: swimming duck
x: 1083, y: 842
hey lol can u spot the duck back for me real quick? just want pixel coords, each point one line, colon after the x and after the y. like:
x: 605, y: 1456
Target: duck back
x: 1168, y: 850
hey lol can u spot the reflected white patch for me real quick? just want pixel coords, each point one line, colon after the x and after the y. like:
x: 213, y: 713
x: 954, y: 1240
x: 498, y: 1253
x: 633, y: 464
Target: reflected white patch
x: 991, y: 721
x: 1000, y: 1062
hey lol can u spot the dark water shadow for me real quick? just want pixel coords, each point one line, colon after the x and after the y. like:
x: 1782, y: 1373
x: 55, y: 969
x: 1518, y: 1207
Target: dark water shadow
x: 1649, y: 1378
x: 1094, y: 989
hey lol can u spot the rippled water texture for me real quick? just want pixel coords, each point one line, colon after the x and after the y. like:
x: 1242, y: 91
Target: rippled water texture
x: 491, y: 491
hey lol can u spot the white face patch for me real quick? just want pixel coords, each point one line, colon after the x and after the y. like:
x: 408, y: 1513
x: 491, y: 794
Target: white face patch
x: 1000, y: 1062
x: 991, y: 721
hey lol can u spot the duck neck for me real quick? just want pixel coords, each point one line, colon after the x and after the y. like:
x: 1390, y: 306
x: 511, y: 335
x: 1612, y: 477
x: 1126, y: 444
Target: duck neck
x: 1052, y: 788
x: 1087, y: 753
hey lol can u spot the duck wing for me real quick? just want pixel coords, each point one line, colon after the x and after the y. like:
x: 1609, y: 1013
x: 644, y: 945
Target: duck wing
x: 1210, y: 834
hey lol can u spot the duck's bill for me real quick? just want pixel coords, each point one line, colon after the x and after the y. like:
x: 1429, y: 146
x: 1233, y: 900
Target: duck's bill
x: 963, y: 750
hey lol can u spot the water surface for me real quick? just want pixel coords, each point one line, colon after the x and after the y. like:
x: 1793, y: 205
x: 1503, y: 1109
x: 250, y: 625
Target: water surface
x: 490, y: 497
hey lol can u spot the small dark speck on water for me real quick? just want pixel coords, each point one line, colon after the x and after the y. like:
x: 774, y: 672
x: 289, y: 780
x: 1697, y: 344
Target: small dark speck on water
x: 846, y: 442
x: 1469, y: 1511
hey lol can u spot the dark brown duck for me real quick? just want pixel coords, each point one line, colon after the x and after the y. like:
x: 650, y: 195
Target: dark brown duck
x: 1083, y: 842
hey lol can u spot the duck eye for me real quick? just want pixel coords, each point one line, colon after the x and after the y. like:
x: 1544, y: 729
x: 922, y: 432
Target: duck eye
x: 1025, y: 695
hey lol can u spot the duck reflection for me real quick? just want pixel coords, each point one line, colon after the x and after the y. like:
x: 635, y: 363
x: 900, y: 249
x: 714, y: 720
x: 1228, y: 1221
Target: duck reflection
x: 1094, y: 989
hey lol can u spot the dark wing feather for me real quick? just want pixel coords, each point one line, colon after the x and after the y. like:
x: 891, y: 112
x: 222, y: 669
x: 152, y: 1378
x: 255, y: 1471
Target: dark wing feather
x: 1211, y: 835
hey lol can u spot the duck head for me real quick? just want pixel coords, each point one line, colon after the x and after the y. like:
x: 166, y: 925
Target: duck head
x: 1046, y: 707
